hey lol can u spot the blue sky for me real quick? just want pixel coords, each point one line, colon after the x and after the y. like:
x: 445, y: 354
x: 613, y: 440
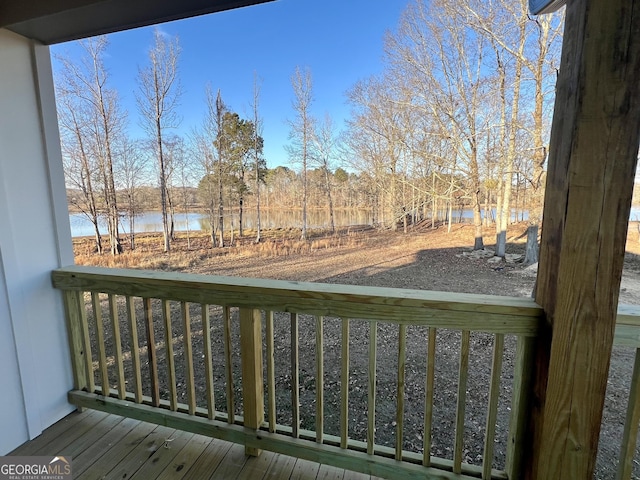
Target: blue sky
x: 341, y: 41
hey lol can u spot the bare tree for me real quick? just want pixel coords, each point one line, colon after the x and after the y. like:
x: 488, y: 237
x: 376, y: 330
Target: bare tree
x: 325, y: 149
x: 174, y: 153
x: 207, y: 184
x: 104, y: 120
x: 368, y: 154
x: 159, y: 92
x: 504, y: 27
x: 209, y: 145
x: 301, y: 133
x: 217, y: 111
x: 548, y: 34
x: 507, y: 25
x: 182, y: 179
x: 442, y: 62
x: 258, y: 161
x: 79, y: 167
x: 130, y: 169
x: 378, y: 132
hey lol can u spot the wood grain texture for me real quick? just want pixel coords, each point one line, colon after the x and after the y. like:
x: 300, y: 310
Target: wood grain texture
x: 228, y: 365
x: 428, y: 392
x: 152, y: 354
x: 271, y: 373
x: 371, y: 387
x: 118, y: 453
x: 416, y: 307
x: 592, y: 159
x: 208, y: 361
x: 463, y: 375
x: 74, y: 313
x: 319, y: 379
x: 506, y: 315
x: 295, y: 375
x: 492, y: 409
x: 168, y: 347
x: 117, y: 345
x: 344, y: 385
x: 402, y: 360
x: 135, y: 348
x: 252, y: 381
x: 383, y: 466
x: 520, y: 407
x: 102, y: 354
x: 188, y: 357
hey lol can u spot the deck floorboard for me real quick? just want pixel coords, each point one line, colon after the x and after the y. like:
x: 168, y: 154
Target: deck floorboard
x: 107, y: 446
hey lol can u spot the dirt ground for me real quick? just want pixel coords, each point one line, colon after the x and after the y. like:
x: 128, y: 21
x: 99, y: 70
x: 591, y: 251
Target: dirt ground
x: 421, y: 259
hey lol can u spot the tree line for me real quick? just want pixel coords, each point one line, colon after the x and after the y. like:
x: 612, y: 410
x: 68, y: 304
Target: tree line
x: 463, y: 107
x: 459, y: 117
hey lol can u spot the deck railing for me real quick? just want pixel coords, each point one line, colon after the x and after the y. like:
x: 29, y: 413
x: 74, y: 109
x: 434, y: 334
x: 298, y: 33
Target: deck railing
x: 628, y: 335
x: 384, y: 381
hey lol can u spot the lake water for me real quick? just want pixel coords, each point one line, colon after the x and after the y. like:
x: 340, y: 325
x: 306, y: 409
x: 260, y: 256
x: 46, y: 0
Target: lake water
x: 152, y: 221
x: 270, y: 219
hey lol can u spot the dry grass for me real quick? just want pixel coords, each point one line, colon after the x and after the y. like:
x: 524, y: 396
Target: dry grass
x: 285, y: 243
x: 188, y: 253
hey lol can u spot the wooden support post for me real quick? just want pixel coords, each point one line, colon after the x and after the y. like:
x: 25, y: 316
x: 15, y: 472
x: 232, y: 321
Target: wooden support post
x: 592, y: 160
x: 252, y: 381
x: 76, y: 327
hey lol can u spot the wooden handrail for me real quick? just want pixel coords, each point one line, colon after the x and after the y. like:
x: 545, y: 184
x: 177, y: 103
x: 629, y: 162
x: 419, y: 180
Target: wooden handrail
x: 460, y: 311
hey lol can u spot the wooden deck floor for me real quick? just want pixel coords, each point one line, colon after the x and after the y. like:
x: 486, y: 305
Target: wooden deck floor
x: 107, y: 446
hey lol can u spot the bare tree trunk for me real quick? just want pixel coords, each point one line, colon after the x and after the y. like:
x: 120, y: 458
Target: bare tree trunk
x: 163, y: 187
x: 501, y: 197
x: 172, y: 213
x: 241, y: 206
x: 531, y: 252
x: 93, y: 209
x: 132, y: 226
x: 487, y: 207
x: 212, y: 224
x: 221, y: 147
x: 540, y: 150
x: 303, y: 236
x: 327, y: 182
x: 258, y: 217
x: 478, y: 243
x: 256, y: 133
x: 517, y: 200
x: 159, y: 91
x: 110, y: 193
x: 404, y: 220
x: 220, y: 211
x: 188, y: 232
x: 302, y: 130
x: 434, y: 204
x: 511, y: 151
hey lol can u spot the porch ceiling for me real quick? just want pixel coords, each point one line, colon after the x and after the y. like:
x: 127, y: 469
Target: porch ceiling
x: 55, y: 21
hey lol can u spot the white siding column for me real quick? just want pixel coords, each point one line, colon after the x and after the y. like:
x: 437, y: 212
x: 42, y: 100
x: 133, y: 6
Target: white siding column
x: 34, y: 239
